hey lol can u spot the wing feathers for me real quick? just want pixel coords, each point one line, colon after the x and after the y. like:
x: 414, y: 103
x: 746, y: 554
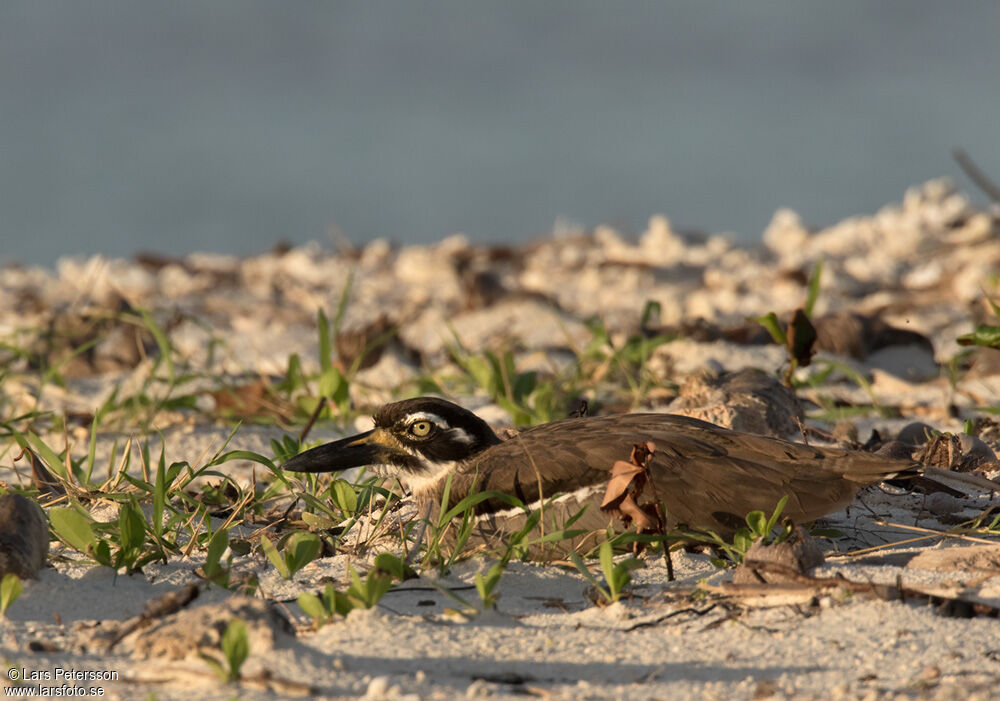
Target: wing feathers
x: 698, y: 468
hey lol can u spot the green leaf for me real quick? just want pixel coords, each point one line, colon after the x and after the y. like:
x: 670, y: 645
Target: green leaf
x: 813, y: 287
x: 240, y: 546
x: 356, y: 583
x: 582, y: 567
x: 376, y: 586
x: 235, y: 647
x: 622, y: 575
x: 132, y: 533
x: 294, y: 378
x: 159, y: 495
x: 486, y: 584
x: 474, y: 499
x: 301, y: 549
x: 92, y: 450
x: 101, y: 551
x: 72, y: 527
x: 162, y: 342
x: 244, y: 455
x: 345, y: 297
x: 393, y: 565
x: 482, y: 372
x: 313, y: 607
x: 650, y: 312
x: 320, y: 523
x: 524, y: 385
x: 333, y: 385
x: 343, y: 495
x: 212, y: 568
x: 481, y: 586
x: 275, y: 557
x: 518, y: 416
x: 757, y: 522
x: 984, y: 335
x: 48, y: 456
x: 141, y: 484
x: 770, y: 322
x: 219, y: 670
x: 340, y: 603
x: 773, y: 521
x: 310, y: 501
x: 369, y: 592
x: 607, y: 561
x: 10, y: 590
x: 742, y: 540
x: 325, y: 345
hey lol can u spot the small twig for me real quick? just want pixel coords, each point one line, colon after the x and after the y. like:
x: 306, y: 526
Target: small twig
x: 977, y: 176
x: 660, y: 619
x: 312, y: 419
x: 874, y: 548
x: 461, y: 587
x: 159, y: 607
x: 193, y: 542
x: 802, y: 430
x: 661, y: 516
x: 942, y: 534
x: 968, y: 478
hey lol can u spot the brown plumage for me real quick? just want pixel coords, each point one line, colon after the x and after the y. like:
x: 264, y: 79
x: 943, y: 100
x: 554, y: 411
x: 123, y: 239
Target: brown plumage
x: 707, y: 476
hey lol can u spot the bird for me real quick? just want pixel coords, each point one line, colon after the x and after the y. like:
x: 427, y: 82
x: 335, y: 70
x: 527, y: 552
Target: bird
x: 707, y: 477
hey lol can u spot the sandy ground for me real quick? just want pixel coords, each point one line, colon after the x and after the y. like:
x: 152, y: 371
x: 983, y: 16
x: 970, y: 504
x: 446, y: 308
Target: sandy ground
x: 919, y: 264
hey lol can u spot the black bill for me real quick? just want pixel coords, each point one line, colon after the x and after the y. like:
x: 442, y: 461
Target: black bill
x: 340, y: 455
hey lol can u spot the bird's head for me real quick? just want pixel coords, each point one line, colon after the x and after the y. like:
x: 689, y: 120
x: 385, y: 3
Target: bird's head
x: 417, y: 440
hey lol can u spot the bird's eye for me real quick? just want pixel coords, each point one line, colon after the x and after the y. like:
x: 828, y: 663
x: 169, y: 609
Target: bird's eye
x: 420, y: 429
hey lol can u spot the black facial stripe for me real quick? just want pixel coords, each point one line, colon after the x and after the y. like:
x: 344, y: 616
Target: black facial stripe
x: 405, y: 461
x: 443, y: 449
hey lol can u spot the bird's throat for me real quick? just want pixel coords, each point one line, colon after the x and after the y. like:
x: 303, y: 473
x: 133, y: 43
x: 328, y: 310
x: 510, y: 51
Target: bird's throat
x: 429, y: 482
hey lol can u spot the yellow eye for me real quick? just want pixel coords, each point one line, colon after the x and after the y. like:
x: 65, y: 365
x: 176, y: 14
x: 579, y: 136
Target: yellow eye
x: 420, y: 428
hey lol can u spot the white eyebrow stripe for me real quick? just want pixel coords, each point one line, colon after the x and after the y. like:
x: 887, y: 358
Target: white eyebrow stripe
x: 461, y: 435
x: 456, y: 432
x: 426, y: 416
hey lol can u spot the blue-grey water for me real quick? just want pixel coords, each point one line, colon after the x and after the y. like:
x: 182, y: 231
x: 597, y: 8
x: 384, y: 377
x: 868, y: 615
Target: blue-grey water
x: 179, y: 125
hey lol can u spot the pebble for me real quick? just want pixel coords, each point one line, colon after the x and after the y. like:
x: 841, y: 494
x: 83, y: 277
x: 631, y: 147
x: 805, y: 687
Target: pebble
x: 479, y: 688
x: 24, y: 536
x: 915, y: 433
x: 940, y: 504
x: 378, y: 688
x: 975, y: 451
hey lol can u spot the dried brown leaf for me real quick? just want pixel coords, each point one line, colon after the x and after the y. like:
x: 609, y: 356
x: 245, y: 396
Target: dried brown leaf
x: 624, y: 475
x: 801, y: 338
x: 640, y: 517
x: 642, y: 453
x: 42, y: 478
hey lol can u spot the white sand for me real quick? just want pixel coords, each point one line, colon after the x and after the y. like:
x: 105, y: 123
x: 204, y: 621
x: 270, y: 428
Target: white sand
x: 921, y: 263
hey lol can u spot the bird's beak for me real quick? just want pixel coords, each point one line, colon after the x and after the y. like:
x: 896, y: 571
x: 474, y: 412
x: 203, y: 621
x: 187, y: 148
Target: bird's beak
x: 362, y: 449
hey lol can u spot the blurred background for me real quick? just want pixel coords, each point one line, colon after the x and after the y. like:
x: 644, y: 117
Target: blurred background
x: 129, y: 125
